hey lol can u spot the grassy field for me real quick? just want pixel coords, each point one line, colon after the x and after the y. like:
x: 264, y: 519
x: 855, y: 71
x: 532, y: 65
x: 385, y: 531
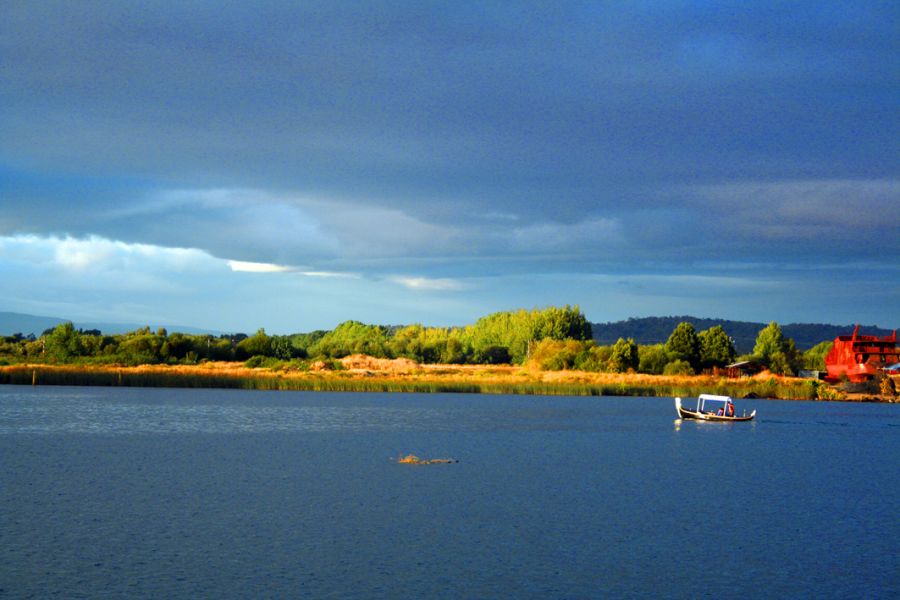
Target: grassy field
x: 364, y: 374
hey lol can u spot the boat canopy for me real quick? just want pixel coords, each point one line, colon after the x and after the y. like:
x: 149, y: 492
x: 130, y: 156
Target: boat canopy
x: 702, y: 399
x: 714, y: 398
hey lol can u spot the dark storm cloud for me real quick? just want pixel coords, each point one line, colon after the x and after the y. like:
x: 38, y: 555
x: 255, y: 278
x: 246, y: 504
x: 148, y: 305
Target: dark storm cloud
x: 584, y: 135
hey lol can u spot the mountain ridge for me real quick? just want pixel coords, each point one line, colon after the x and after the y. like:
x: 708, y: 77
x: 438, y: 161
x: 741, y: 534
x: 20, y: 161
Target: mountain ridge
x: 13, y: 322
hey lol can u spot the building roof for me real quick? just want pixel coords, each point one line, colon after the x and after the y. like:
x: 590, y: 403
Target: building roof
x: 743, y: 363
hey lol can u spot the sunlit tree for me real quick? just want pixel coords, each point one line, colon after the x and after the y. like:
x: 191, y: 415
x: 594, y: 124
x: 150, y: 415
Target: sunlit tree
x: 716, y: 347
x: 684, y: 344
x: 258, y: 344
x: 624, y: 356
x: 776, y: 351
x: 63, y: 343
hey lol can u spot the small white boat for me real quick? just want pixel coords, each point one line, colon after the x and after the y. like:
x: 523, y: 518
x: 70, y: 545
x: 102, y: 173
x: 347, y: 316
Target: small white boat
x: 703, y: 412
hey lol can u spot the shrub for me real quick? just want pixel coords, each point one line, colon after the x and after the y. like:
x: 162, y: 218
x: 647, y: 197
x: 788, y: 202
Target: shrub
x: 254, y: 362
x: 558, y: 355
x: 263, y: 362
x: 826, y: 392
x: 593, y: 359
x: 492, y: 355
x: 678, y: 367
x: 652, y: 359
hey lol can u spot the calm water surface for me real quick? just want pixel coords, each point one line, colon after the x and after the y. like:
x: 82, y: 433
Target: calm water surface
x: 227, y: 494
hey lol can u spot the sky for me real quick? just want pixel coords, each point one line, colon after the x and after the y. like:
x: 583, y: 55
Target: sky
x: 292, y: 165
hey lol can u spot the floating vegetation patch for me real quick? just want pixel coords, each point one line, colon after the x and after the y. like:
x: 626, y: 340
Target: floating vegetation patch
x: 412, y: 459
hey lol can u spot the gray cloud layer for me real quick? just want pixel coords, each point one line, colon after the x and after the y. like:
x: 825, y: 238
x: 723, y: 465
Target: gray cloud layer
x: 459, y: 140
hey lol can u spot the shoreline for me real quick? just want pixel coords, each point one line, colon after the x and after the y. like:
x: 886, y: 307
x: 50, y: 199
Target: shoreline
x: 480, y: 379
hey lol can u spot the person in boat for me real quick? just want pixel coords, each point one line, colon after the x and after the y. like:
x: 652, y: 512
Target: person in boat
x: 726, y: 411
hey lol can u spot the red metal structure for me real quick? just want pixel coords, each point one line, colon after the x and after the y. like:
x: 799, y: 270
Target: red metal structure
x: 860, y: 356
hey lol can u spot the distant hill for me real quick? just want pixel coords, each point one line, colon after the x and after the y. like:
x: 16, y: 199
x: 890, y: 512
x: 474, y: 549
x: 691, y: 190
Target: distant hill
x: 656, y: 330
x: 11, y: 323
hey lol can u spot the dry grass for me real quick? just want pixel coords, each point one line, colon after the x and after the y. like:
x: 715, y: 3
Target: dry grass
x: 361, y: 362
x: 364, y: 373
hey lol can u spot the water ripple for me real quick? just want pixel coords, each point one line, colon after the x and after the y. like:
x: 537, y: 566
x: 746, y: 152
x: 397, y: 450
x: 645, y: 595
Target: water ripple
x: 120, y: 418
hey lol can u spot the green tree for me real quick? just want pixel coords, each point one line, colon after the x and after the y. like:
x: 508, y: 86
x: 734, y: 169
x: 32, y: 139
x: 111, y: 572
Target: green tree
x: 518, y: 330
x: 353, y: 337
x: 779, y: 363
x: 422, y: 344
x: 219, y: 348
x: 652, y: 358
x: 454, y: 352
x: 560, y: 324
x: 176, y: 346
x: 91, y: 344
x: 281, y: 347
x: 63, y: 343
x: 793, y: 357
x: 684, y: 344
x: 624, y: 356
x: 716, y: 347
x: 769, y: 341
x: 595, y: 358
x: 814, y: 358
x: 776, y: 351
x: 258, y: 344
x: 302, y: 342
x: 140, y: 347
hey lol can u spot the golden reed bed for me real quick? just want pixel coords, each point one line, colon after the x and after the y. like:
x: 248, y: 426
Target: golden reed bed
x: 364, y: 373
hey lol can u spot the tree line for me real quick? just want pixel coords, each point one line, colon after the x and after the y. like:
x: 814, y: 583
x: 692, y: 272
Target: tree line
x: 654, y: 330
x: 686, y: 352
x: 553, y: 338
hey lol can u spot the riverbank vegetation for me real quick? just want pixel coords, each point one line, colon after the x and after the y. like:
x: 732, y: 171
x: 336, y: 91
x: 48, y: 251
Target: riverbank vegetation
x: 554, y: 338
x: 407, y: 378
x: 546, y: 351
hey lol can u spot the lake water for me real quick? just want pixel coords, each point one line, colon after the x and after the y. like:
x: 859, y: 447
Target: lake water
x: 162, y: 493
